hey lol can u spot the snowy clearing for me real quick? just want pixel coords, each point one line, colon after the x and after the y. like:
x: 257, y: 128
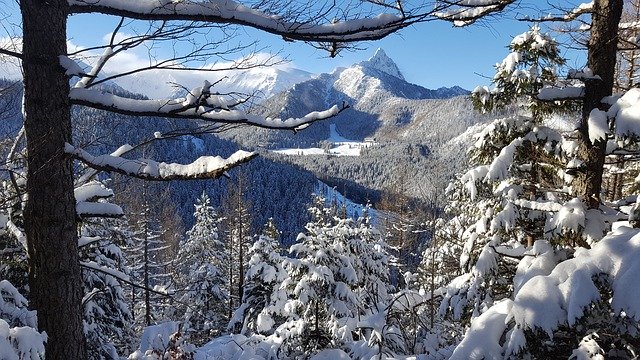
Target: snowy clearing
x: 340, y: 146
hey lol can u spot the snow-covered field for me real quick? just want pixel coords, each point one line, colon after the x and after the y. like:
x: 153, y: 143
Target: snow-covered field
x: 340, y: 146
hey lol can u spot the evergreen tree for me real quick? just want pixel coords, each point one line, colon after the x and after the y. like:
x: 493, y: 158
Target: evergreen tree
x: 150, y: 271
x: 107, y: 314
x: 262, y: 291
x: 203, y: 284
x: 336, y: 278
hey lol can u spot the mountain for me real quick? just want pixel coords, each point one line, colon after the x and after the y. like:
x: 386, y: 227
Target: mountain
x: 380, y: 61
x: 383, y: 105
x: 410, y: 126
x: 262, y: 82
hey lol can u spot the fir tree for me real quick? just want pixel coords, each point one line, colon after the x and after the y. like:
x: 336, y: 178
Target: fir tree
x: 203, y: 284
x: 261, y: 293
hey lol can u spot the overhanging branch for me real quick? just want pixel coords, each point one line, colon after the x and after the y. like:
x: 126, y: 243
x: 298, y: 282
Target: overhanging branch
x: 200, y: 104
x: 230, y: 12
x: 205, y: 167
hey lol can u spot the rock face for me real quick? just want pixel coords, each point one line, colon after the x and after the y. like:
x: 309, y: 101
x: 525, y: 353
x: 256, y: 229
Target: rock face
x: 380, y: 61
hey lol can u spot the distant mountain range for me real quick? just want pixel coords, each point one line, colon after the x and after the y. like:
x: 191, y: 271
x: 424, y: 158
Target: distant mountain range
x: 383, y: 105
x: 412, y: 128
x: 262, y: 82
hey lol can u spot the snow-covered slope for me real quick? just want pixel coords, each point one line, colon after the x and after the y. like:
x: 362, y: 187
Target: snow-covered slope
x: 383, y: 105
x: 262, y: 82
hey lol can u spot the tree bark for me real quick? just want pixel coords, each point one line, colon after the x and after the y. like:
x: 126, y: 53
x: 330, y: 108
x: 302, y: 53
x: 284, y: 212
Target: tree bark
x: 50, y: 225
x: 602, y: 61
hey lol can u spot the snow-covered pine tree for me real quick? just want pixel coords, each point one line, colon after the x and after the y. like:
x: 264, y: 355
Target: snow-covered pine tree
x: 532, y: 64
x: 107, y: 312
x: 336, y: 287
x: 262, y: 293
x: 555, y: 287
x: 320, y: 286
x: 19, y: 338
x: 201, y: 283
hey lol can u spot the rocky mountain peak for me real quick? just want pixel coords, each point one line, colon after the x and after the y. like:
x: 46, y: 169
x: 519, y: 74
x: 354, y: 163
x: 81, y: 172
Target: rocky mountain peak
x: 382, y: 62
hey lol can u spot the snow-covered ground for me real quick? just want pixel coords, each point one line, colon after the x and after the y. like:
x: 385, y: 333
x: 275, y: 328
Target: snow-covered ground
x: 340, y: 146
x: 333, y: 196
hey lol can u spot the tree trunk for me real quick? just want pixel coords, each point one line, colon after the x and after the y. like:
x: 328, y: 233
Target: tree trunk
x: 602, y: 61
x: 50, y: 223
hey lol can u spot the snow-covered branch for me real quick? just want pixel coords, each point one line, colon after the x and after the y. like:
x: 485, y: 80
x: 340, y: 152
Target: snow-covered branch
x: 466, y: 12
x: 205, y: 167
x: 231, y: 12
x: 552, y: 93
x: 200, y: 103
x: 87, y: 209
x: 566, y: 16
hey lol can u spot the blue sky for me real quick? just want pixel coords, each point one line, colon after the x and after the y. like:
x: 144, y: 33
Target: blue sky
x: 431, y: 54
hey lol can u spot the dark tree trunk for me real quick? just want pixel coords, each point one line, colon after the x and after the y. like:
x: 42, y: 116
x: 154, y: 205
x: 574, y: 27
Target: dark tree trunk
x: 50, y: 225
x: 602, y: 60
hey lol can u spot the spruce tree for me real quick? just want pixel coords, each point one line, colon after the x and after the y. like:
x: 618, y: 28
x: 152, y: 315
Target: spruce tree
x: 202, y: 285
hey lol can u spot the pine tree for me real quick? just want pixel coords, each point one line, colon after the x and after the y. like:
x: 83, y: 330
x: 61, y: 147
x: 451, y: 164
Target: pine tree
x: 107, y: 313
x: 149, y: 266
x: 203, y: 284
x: 262, y: 291
x: 337, y: 276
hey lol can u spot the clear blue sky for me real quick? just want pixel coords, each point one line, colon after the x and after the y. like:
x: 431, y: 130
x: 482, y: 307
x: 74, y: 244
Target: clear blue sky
x: 431, y: 54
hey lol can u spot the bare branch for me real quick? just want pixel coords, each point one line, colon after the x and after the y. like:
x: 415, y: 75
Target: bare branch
x: 14, y: 54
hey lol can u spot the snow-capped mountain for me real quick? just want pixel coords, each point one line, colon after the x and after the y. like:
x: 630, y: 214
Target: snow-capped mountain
x: 406, y: 128
x: 383, y: 105
x: 380, y: 61
x: 262, y: 82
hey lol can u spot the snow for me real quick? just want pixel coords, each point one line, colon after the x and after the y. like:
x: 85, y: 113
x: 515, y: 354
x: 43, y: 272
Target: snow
x: 571, y: 217
x: 492, y: 325
x: 588, y: 349
x: 335, y: 137
x: 203, y: 167
x: 155, y: 337
x: 72, y: 68
x: 499, y: 168
x: 207, y: 107
x: 380, y: 61
x: 341, y: 146
x: 18, y: 337
x: 626, y: 111
x: 551, y: 93
x: 86, y: 240
x: 91, y: 190
x: 261, y: 82
x: 109, y: 271
x: 598, y: 126
x: 98, y: 209
x: 22, y: 342
x: 470, y: 177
